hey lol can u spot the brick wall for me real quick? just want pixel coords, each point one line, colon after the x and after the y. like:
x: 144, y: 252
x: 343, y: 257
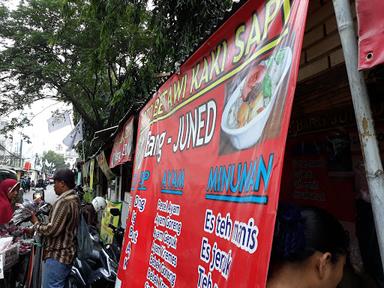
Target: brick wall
x: 321, y: 47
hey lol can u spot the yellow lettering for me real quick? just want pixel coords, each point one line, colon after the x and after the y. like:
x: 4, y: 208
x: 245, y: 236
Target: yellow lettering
x: 271, y: 11
x: 254, y: 35
x: 185, y: 79
x: 225, y: 51
x: 215, y: 62
x: 149, y: 111
x: 163, y: 102
x: 177, y: 88
x: 239, y: 43
x: 194, y: 82
x: 286, y: 11
x: 170, y: 103
x: 157, y: 108
x: 205, y: 73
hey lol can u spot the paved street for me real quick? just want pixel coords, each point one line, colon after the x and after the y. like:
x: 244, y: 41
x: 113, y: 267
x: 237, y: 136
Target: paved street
x: 50, y: 195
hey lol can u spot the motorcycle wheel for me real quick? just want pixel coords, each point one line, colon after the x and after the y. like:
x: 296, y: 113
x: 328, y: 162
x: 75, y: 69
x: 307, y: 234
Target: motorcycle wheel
x: 73, y: 283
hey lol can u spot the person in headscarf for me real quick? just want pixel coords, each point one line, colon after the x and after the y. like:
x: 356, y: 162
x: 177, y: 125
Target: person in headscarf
x: 9, y: 189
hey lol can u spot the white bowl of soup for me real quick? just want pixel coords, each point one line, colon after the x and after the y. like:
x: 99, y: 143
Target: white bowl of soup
x: 250, y: 105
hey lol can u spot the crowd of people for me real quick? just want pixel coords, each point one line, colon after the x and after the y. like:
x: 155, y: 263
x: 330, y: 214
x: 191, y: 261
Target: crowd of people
x: 26, y: 183
x: 59, y: 232
x: 310, y: 246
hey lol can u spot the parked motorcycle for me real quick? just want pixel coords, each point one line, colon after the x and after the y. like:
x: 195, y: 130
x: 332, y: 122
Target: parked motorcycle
x: 114, y: 249
x: 99, y: 270
x: 38, y: 192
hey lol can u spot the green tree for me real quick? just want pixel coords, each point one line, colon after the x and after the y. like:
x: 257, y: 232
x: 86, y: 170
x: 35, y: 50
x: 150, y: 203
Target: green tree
x: 179, y: 25
x: 103, y: 56
x: 59, y: 50
x: 52, y: 161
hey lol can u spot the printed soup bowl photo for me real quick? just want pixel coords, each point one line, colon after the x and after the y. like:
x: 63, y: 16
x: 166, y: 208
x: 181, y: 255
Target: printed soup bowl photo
x: 250, y: 105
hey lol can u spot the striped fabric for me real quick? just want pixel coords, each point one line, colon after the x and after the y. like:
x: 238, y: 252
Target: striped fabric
x: 60, y: 231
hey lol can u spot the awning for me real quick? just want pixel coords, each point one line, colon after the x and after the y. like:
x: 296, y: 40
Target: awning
x: 371, y: 32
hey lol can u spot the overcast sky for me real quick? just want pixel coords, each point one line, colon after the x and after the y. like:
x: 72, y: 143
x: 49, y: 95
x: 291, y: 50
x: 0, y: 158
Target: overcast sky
x: 41, y: 139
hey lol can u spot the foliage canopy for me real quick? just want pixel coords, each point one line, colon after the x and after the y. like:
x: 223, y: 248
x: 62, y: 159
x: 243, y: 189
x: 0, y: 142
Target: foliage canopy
x: 52, y: 161
x: 102, y: 56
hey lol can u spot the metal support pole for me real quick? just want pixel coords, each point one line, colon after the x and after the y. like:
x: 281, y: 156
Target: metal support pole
x: 21, y: 154
x: 82, y: 150
x: 368, y: 142
x: 120, y: 183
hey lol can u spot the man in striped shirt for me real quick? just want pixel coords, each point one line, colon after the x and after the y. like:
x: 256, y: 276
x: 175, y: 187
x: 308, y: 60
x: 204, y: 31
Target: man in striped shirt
x: 60, y: 231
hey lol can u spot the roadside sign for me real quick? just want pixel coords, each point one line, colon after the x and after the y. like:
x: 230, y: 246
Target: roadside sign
x: 209, y: 156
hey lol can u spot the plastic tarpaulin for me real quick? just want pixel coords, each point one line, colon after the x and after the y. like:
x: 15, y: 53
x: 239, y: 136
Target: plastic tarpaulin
x: 209, y: 156
x: 370, y: 15
x: 122, y: 145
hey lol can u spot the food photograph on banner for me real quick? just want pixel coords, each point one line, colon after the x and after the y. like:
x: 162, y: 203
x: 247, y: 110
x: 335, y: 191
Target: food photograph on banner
x: 253, y: 98
x: 209, y: 157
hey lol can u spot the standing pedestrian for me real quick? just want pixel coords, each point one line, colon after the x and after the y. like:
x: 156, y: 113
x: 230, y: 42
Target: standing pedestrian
x: 60, y: 231
x: 28, y: 183
x: 309, y: 249
x: 8, y: 191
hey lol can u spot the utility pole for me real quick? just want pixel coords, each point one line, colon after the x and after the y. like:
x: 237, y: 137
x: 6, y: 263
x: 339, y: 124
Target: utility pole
x: 363, y: 114
x: 36, y: 160
x: 21, y: 153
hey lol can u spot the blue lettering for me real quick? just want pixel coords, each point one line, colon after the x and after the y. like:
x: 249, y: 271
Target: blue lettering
x: 243, y: 176
x: 240, y: 179
x: 233, y: 187
x: 251, y: 176
x: 181, y: 179
x: 224, y: 178
x: 144, y: 176
x: 164, y: 181
x: 212, y: 180
x: 262, y: 172
x: 174, y: 183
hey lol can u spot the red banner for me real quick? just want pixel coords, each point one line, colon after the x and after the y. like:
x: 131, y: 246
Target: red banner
x: 371, y: 32
x: 210, y: 154
x: 27, y: 166
x: 122, y: 146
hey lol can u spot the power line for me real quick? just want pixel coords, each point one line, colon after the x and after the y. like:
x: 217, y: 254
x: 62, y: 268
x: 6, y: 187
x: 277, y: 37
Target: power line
x: 44, y: 110
x: 5, y: 149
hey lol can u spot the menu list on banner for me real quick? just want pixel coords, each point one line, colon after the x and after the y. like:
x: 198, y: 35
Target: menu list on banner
x: 208, y: 166
x: 164, y: 245
x: 167, y: 229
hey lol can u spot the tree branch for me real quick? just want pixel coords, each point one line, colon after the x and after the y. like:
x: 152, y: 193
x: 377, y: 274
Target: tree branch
x: 91, y: 101
x: 78, y: 107
x: 110, y: 82
x: 113, y: 108
x: 95, y: 86
x: 114, y: 73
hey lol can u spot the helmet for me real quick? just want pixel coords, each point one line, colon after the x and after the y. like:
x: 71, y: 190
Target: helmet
x: 99, y: 203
